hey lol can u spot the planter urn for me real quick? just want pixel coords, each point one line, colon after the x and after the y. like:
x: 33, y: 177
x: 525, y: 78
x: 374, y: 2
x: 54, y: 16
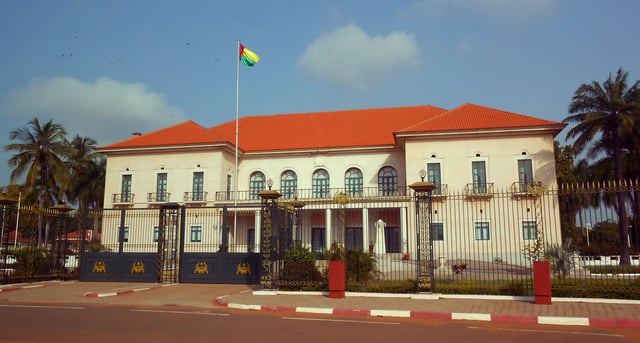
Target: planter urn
x: 337, y: 282
x: 542, y: 282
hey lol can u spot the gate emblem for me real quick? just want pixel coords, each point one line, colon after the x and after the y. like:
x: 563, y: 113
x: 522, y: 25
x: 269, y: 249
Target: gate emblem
x: 99, y: 267
x: 137, y: 267
x: 243, y: 269
x: 201, y: 268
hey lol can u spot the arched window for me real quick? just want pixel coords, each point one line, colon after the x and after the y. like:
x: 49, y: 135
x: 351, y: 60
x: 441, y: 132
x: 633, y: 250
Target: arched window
x: 256, y: 184
x: 353, y: 182
x: 288, y: 184
x: 387, y: 181
x: 320, y: 184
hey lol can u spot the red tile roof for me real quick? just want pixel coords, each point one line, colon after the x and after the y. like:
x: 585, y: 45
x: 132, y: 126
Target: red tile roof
x: 186, y: 133
x: 475, y: 117
x: 350, y: 128
x: 337, y: 129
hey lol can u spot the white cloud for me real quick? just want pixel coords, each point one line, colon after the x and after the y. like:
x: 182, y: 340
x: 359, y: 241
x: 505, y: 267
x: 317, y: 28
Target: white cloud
x: 349, y: 56
x: 106, y: 110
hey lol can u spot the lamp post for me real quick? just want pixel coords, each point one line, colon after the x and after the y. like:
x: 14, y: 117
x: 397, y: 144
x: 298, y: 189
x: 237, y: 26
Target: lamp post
x: 342, y: 199
x: 269, y: 202
x: 59, y: 246
x: 424, y: 240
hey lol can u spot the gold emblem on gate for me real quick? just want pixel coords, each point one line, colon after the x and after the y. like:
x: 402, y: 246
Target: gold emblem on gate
x: 99, y: 267
x: 137, y: 267
x: 243, y: 269
x: 201, y: 268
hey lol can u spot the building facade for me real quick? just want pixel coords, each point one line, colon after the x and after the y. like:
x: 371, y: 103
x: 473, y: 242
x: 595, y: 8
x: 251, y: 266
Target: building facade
x: 483, y: 162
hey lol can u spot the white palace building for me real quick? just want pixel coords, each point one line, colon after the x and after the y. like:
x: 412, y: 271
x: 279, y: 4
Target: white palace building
x: 485, y: 164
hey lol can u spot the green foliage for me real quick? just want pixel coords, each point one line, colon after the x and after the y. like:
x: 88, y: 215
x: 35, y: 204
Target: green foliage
x: 335, y: 253
x: 299, y: 253
x: 596, y: 288
x: 561, y: 258
x: 30, y: 261
x: 361, y: 266
x: 613, y: 269
x: 535, y: 250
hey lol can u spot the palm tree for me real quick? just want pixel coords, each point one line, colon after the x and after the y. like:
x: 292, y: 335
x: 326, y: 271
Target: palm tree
x: 605, y: 115
x: 39, y: 153
x: 88, y: 170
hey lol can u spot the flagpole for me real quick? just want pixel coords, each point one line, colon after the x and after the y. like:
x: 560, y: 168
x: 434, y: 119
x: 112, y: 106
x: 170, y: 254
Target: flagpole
x: 235, y: 178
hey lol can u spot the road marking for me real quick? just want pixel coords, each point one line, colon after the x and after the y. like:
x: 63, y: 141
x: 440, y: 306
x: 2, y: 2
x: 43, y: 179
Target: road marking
x: 471, y: 316
x: 184, y: 312
x: 44, y: 306
x: 341, y: 321
x: 563, y: 320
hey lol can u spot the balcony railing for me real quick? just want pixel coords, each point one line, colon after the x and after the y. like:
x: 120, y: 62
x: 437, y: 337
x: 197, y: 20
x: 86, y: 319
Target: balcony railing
x: 526, y: 188
x: 195, y: 197
x: 122, y: 198
x: 479, y: 190
x: 320, y: 194
x: 158, y: 197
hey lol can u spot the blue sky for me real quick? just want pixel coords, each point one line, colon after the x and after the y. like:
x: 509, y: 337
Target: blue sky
x: 105, y: 69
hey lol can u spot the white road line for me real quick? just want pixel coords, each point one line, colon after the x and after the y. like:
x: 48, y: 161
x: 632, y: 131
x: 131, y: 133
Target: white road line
x: 565, y: 332
x: 184, y: 312
x: 47, y: 307
x: 341, y: 321
x: 244, y: 307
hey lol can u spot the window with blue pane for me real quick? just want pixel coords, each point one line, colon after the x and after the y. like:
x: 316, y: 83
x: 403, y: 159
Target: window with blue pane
x: 256, y: 184
x: 320, y: 184
x: 288, y: 184
x: 196, y: 233
x: 388, y: 181
x: 353, y: 182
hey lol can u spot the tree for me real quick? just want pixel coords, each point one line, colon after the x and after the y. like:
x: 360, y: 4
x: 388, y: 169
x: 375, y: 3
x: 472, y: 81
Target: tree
x: 605, y: 116
x: 87, y: 173
x: 39, y: 157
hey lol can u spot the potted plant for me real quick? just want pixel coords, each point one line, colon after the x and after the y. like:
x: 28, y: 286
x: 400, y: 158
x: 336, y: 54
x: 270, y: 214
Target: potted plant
x: 337, y: 271
x: 541, y: 271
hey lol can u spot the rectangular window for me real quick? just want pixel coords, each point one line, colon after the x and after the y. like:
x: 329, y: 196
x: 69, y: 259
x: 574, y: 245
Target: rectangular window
x: 392, y: 239
x: 318, y: 239
x: 320, y: 187
x: 353, y: 237
x: 483, y: 232
x: 437, y: 231
x: 434, y: 176
x: 479, y: 173
x: 529, y: 230
x: 525, y: 175
x: 196, y: 233
x: 125, y: 234
x: 125, y: 189
x: 251, y: 240
x: 156, y: 233
x: 161, y: 187
x: 198, y: 186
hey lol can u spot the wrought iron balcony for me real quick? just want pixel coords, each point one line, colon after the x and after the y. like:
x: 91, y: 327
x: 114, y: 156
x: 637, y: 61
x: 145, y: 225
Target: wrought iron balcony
x: 479, y: 190
x: 530, y: 188
x: 158, y: 197
x: 195, y: 196
x: 122, y: 198
x: 320, y: 194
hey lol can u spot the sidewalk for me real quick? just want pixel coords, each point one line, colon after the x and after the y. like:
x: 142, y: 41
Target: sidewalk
x: 563, y: 311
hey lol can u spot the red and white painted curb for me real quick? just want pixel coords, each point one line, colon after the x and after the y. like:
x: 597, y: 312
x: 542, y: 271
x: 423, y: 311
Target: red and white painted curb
x: 486, y: 317
x: 122, y: 292
x: 21, y: 286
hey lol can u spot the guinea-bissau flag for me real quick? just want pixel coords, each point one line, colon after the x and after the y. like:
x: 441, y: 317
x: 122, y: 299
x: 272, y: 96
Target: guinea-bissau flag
x: 248, y: 57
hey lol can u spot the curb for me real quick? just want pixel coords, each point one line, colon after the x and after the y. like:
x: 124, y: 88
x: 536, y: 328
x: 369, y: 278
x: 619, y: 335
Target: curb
x: 123, y: 292
x: 485, y: 317
x: 21, y: 286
